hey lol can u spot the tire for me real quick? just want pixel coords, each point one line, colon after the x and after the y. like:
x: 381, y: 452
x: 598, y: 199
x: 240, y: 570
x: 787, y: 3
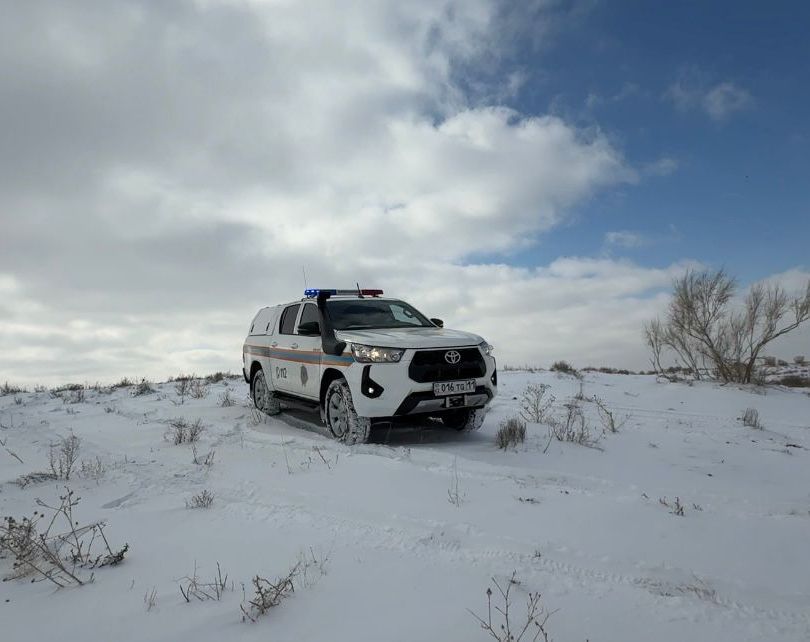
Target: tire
x: 341, y: 417
x: 464, y: 420
x: 264, y: 399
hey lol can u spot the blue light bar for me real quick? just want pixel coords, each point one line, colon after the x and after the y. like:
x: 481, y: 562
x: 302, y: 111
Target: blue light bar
x: 314, y: 292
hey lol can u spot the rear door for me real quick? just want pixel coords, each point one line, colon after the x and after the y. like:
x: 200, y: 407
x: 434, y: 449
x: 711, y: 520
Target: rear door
x: 305, y: 380
x: 283, y: 349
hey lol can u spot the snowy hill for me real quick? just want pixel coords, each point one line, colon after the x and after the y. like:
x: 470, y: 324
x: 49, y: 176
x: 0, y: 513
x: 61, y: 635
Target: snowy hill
x: 401, y: 537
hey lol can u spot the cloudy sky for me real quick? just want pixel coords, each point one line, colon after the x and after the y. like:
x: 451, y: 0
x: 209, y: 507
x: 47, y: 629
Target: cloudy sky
x: 537, y: 172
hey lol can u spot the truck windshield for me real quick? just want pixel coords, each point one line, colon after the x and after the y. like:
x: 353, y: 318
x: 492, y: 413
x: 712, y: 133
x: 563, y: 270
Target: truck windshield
x: 364, y: 314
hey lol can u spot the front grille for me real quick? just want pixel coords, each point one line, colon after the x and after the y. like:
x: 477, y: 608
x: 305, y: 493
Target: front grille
x: 430, y: 365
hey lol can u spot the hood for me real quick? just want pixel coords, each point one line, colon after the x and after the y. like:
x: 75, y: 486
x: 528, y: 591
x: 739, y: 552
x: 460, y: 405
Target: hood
x: 410, y: 337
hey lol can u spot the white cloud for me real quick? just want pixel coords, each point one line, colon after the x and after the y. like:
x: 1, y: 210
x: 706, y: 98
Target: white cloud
x: 625, y: 239
x: 724, y: 99
x: 692, y: 90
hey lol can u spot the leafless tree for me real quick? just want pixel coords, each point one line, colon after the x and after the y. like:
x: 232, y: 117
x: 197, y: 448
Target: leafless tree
x: 702, y: 326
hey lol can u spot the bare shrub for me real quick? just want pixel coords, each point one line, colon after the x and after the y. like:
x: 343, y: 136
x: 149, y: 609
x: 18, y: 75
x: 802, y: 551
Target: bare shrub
x: 511, y: 432
x: 182, y: 387
x: 182, y: 431
x: 607, y: 417
x: 217, y: 377
x: 207, y: 460
x: 110, y: 409
x: 505, y: 628
x: 18, y: 401
x: 75, y: 396
x: 53, y: 556
x: 533, y: 402
x: 565, y: 368
x: 226, y: 400
x: 92, y: 468
x: 572, y: 426
x: 198, y: 389
x: 799, y: 360
x: 269, y: 594
x: 10, y: 389
x: 124, y: 383
x: 769, y: 362
x: 203, y: 499
x: 143, y: 387
x: 68, y: 387
x: 676, y: 508
x: 193, y: 587
x: 63, y: 455
x: 750, y: 418
x: 703, y: 328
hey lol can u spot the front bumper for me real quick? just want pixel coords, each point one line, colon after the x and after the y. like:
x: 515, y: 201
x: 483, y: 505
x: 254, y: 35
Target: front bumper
x: 386, y: 390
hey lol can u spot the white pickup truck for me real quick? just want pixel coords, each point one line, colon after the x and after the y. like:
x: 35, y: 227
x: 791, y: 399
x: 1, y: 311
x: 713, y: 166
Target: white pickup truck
x: 362, y: 358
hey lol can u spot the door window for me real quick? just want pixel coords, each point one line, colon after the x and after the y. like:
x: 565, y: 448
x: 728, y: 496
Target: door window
x: 287, y: 324
x: 309, y: 314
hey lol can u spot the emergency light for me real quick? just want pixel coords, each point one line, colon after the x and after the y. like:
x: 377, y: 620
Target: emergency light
x: 314, y: 292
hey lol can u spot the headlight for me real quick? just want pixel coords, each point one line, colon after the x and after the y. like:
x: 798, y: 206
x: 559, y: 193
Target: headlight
x: 486, y: 348
x: 373, y: 354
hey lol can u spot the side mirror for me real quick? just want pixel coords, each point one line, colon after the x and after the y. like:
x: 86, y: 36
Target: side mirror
x: 309, y: 329
x: 437, y: 322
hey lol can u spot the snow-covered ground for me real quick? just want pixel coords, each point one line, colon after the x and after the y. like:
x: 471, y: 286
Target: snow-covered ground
x: 583, y: 526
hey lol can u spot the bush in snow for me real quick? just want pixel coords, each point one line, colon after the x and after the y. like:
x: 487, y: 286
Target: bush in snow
x: 799, y: 360
x: 202, y: 591
x: 572, y: 426
x: 268, y: 594
x: 144, y: 387
x: 202, y: 499
x: 10, y: 389
x: 505, y: 628
x: 182, y: 387
x: 511, y: 432
x: 184, y: 432
x: 63, y: 455
x: 751, y: 418
x: 58, y: 556
x: 606, y: 416
x: 199, y: 389
x: 226, y: 400
x: 207, y: 460
x: 534, y: 404
x: 565, y: 368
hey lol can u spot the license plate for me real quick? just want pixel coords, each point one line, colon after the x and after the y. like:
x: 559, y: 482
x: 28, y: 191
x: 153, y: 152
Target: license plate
x: 444, y: 388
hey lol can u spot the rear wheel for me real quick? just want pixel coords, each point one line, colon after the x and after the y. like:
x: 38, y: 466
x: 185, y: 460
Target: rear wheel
x: 464, y: 419
x: 264, y: 399
x: 341, y: 417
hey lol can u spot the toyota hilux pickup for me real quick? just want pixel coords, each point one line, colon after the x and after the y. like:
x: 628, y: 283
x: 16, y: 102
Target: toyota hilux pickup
x: 364, y: 359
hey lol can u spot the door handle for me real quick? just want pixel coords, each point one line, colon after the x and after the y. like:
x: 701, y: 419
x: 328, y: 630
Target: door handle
x: 294, y: 346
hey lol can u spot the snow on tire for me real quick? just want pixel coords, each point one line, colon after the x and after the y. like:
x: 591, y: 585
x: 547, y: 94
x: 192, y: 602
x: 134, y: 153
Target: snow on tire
x: 263, y: 398
x: 341, y: 417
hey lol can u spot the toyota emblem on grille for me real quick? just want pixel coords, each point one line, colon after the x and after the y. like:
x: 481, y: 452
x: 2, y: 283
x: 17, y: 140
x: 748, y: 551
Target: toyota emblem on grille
x: 452, y: 356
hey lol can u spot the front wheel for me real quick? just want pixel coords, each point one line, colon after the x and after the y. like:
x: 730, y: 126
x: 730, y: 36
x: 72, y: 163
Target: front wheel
x: 464, y: 419
x: 263, y: 398
x: 341, y: 417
